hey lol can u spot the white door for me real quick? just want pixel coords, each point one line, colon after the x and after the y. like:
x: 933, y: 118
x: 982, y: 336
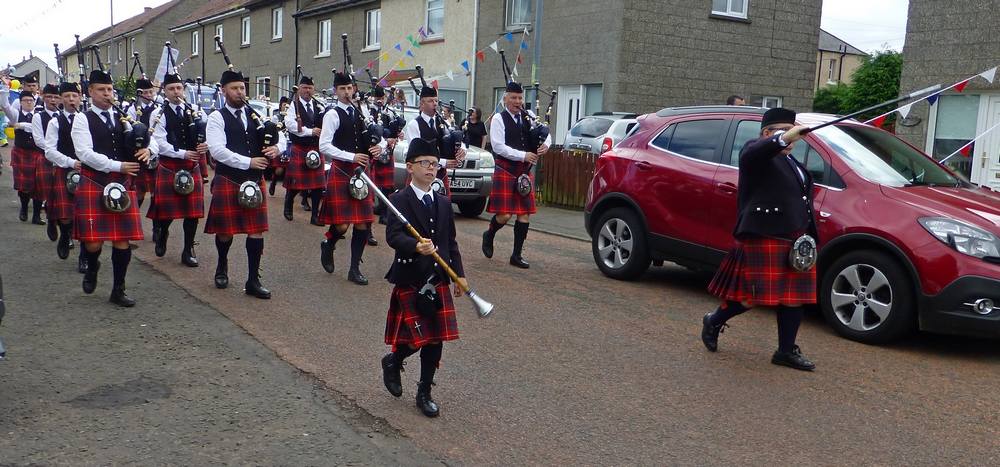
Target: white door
x: 986, y: 159
x: 570, y: 103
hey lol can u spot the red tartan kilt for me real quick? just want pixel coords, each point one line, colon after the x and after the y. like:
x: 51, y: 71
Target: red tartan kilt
x: 227, y: 217
x: 23, y: 163
x: 338, y: 205
x: 756, y: 271
x: 44, y: 179
x: 401, y: 322
x: 169, y: 204
x: 92, y: 222
x: 60, y: 203
x: 298, y: 176
x: 383, y: 174
x: 277, y: 163
x: 504, y: 199
x: 146, y: 180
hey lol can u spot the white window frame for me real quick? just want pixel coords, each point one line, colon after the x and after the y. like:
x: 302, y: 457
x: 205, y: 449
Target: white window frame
x: 218, y: 32
x: 829, y: 74
x: 120, y: 47
x: 262, y: 89
x: 510, y: 8
x: 375, y: 44
x: 131, y: 44
x: 284, y: 82
x: 245, y: 30
x: 277, y: 23
x: 195, y: 42
x: 427, y: 17
x: 109, y: 54
x: 320, y: 39
x: 775, y: 100
x: 732, y: 12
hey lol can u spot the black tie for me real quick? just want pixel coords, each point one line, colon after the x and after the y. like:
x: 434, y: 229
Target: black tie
x: 309, y: 110
x: 107, y: 119
x: 428, y: 204
x: 350, y: 113
x: 239, y: 116
x: 71, y: 118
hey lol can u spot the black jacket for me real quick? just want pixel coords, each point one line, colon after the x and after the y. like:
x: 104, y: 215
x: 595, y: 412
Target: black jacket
x: 410, y: 268
x: 773, y: 201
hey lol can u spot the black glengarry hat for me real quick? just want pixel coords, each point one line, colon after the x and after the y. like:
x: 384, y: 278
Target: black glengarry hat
x: 306, y: 80
x: 66, y: 86
x: 100, y: 77
x: 420, y: 147
x: 514, y: 86
x: 143, y: 83
x: 778, y: 115
x: 378, y: 91
x: 171, y: 78
x: 50, y: 89
x: 341, y: 79
x: 230, y: 76
x: 428, y: 91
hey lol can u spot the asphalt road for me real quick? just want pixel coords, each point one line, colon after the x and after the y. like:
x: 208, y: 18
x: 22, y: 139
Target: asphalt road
x: 575, y: 368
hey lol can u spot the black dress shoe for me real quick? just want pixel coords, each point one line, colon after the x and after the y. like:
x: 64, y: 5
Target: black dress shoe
x: 254, y: 288
x: 62, y: 248
x: 51, y: 231
x: 288, y: 213
x: 372, y: 241
x: 37, y: 220
x: 118, y: 297
x: 519, y: 262
x: 23, y: 215
x: 710, y: 333
x: 222, y: 276
x: 188, y: 258
x: 314, y: 219
x: 305, y: 205
x: 161, y: 243
x: 81, y: 265
x: 156, y: 234
x: 355, y: 276
x: 793, y: 359
x: 390, y: 375
x: 326, y: 248
x: 270, y: 187
x: 488, y: 243
x: 90, y: 277
x: 424, y: 401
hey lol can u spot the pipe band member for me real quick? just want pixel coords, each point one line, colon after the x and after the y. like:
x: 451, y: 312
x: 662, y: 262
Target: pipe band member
x: 59, y: 151
x: 304, y: 122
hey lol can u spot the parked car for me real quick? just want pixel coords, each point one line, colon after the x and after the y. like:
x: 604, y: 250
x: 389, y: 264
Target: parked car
x: 203, y: 96
x: 904, y: 242
x: 265, y: 109
x: 599, y: 132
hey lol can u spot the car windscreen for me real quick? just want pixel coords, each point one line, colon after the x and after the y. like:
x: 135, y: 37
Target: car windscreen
x: 881, y: 157
x: 591, y: 127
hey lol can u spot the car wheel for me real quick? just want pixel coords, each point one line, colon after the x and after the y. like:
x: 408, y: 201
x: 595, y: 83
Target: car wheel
x: 867, y: 296
x: 619, y: 245
x: 472, y: 208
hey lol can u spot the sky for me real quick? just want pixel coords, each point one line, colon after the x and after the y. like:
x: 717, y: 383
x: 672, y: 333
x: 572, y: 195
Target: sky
x: 866, y: 24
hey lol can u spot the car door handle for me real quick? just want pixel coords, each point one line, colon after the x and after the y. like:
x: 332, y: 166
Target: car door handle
x: 643, y: 165
x: 727, y: 188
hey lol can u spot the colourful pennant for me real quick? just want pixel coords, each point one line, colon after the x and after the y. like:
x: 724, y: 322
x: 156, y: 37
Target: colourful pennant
x: 481, y: 56
x: 422, y: 32
x: 434, y: 84
x: 931, y: 99
x: 451, y: 75
x: 494, y: 46
x: 520, y: 59
x: 524, y: 45
x: 961, y: 86
x: 988, y: 75
x: 409, y: 53
x: 877, y: 123
x: 904, y: 111
x: 400, y: 63
x: 465, y: 65
x: 509, y: 37
x: 966, y: 150
x: 371, y: 65
x: 383, y: 83
x: 398, y: 47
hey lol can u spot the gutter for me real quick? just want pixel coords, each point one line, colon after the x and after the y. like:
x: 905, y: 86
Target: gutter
x: 329, y: 8
x: 209, y: 19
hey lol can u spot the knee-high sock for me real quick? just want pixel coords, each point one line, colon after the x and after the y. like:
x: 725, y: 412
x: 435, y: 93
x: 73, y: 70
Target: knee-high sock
x: 494, y: 225
x: 223, y: 249
x: 359, y: 238
x: 520, y: 233
x: 164, y: 225
x: 430, y: 357
x: 93, y: 257
x: 789, y: 318
x: 65, y: 232
x: 333, y: 235
x: 36, y: 208
x: 290, y: 197
x: 119, y: 261
x: 402, y: 352
x: 255, y: 249
x: 725, y: 312
x: 24, y: 197
x: 190, y: 228
x: 315, y: 196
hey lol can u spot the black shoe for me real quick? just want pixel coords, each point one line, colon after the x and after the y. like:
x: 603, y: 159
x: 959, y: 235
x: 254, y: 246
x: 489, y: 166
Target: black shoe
x: 222, y: 276
x: 424, y: 401
x: 305, y: 205
x: 288, y: 212
x: 326, y: 248
x: 519, y: 262
x: 381, y: 219
x: 710, y: 334
x: 188, y: 258
x: 37, y: 220
x: 372, y: 241
x: 52, y: 232
x: 270, y: 187
x: 22, y: 215
x: 156, y: 234
x: 81, y: 265
x: 62, y: 247
x: 72, y: 245
x: 390, y: 375
x: 314, y: 219
x: 488, y: 243
x: 254, y: 288
x: 161, y: 243
x: 118, y: 297
x: 90, y: 278
x: 793, y: 359
x: 355, y: 276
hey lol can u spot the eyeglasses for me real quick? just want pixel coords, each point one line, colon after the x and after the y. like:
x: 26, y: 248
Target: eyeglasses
x: 425, y: 163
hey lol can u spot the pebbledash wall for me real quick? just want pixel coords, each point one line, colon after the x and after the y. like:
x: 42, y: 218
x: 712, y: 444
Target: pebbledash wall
x: 947, y: 42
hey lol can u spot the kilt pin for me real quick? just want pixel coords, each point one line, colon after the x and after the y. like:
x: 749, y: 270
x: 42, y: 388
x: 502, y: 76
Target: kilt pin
x: 504, y: 199
x: 227, y: 217
x: 171, y: 205
x: 339, y: 207
x: 92, y: 222
x: 297, y: 175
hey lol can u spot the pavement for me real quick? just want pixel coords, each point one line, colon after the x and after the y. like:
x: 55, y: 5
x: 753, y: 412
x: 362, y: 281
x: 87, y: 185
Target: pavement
x: 561, y: 222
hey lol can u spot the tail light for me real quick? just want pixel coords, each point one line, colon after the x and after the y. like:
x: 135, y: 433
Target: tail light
x: 606, y: 145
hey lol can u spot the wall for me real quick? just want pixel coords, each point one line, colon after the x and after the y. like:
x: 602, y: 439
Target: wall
x: 845, y: 72
x: 348, y: 20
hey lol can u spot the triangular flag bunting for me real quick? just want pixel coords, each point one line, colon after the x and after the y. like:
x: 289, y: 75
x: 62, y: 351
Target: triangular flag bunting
x: 383, y: 83
x: 989, y: 74
x: 371, y: 65
x: 398, y: 47
x: 384, y: 56
x: 966, y: 150
x: 434, y: 84
x: 931, y: 99
x: 524, y: 45
x: 400, y: 63
x: 409, y: 53
x: 465, y: 65
x: 961, y: 86
x: 514, y: 71
x: 451, y: 75
x: 520, y: 59
x: 494, y: 46
x: 905, y: 110
x: 877, y: 123
x: 525, y: 31
x: 392, y: 74
x: 481, y: 56
x: 422, y: 32
x: 510, y: 37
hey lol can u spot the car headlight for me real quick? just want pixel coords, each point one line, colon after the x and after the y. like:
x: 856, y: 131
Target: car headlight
x: 962, y: 237
x: 486, y: 161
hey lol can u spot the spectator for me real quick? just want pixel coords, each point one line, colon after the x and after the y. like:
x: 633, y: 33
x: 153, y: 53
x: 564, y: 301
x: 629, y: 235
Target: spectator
x: 735, y: 100
x: 475, y: 129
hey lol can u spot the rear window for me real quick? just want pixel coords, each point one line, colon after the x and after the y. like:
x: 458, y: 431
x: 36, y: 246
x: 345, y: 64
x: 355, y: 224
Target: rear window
x: 697, y: 139
x: 591, y: 127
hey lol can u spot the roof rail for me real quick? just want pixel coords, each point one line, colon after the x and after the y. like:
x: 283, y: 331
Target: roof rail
x: 743, y: 109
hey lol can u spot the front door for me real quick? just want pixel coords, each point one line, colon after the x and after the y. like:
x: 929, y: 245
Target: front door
x: 986, y: 158
x: 570, y: 101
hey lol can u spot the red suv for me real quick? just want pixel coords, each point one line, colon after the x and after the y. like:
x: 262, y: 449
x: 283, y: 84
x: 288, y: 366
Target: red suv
x: 905, y: 242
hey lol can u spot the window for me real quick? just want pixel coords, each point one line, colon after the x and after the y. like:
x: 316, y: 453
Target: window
x: 447, y: 95
x: 195, y: 42
x: 108, y: 56
x: 218, y: 32
x: 121, y: 49
x: 245, y: 31
x: 276, y: 23
x: 323, y: 40
x: 829, y: 73
x: 132, y: 44
x: 734, y: 8
x: 822, y: 173
x: 697, y: 139
x: 263, y: 90
x: 434, y: 22
x: 284, y: 82
x: 746, y: 131
x: 593, y: 98
x: 373, y: 28
x: 770, y: 102
x: 519, y: 13
x: 591, y: 127
x: 955, y: 125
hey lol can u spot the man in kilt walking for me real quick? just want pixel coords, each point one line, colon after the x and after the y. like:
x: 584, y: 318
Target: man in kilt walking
x: 60, y: 152
x: 101, y: 143
x: 179, y: 152
x: 43, y: 168
x: 341, y: 142
x: 430, y: 127
x: 142, y: 111
x: 421, y: 313
x: 775, y: 207
x: 237, y: 145
x: 304, y: 121
x: 25, y: 156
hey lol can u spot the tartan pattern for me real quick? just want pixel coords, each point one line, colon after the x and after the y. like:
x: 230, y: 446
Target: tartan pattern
x: 504, y: 199
x: 146, y: 180
x: 44, y: 179
x: 60, y: 203
x: 297, y: 175
x: 227, y: 217
x: 93, y: 222
x: 169, y: 204
x: 756, y: 271
x: 338, y: 205
x: 382, y: 174
x: 23, y: 163
x: 403, y: 317
x: 442, y: 174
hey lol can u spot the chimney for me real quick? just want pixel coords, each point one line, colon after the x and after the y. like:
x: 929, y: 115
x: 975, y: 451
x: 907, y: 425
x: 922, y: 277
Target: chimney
x: 146, y: 9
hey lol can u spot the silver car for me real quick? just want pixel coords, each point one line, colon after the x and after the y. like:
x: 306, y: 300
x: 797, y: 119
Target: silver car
x: 600, y: 132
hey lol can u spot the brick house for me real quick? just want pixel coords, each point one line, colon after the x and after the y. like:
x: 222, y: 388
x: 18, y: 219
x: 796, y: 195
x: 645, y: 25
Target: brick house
x: 836, y: 60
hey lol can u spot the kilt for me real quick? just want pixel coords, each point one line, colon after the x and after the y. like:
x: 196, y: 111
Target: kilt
x: 298, y: 176
x: 227, y: 217
x: 383, y: 174
x: 402, y: 320
x: 169, y: 204
x: 44, y: 179
x: 278, y: 163
x: 145, y: 181
x: 59, y: 204
x: 756, y: 271
x: 338, y: 205
x: 23, y: 163
x: 92, y: 222
x: 504, y: 199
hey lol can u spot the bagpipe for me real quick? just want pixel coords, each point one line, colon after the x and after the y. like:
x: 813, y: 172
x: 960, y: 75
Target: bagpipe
x: 85, y: 105
x: 392, y: 125
x: 451, y: 139
x: 196, y: 122
x: 539, y: 131
x: 369, y: 132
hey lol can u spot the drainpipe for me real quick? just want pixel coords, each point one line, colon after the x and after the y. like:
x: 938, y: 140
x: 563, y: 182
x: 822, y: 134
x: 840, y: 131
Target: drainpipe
x: 840, y: 70
x: 475, y: 43
x: 295, y: 67
x: 536, y: 71
x: 819, y: 70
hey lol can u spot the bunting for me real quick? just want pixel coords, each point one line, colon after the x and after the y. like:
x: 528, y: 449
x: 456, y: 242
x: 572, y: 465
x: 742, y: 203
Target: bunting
x: 966, y: 150
x: 481, y: 56
x: 988, y: 75
x: 961, y: 86
x: 465, y: 65
x: 509, y: 36
x: 494, y: 46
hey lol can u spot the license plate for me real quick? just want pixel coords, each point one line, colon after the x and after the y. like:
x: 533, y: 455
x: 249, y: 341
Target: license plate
x: 462, y: 183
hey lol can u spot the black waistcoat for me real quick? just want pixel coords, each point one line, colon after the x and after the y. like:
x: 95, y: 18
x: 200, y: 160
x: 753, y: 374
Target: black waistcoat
x: 65, y: 142
x: 346, y: 136
x: 144, y: 112
x: 114, y: 145
x: 240, y: 141
x: 515, y: 136
x: 432, y: 135
x: 313, y: 121
x: 176, y: 126
x: 46, y: 118
x: 22, y: 138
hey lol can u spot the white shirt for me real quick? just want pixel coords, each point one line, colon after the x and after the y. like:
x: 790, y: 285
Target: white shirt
x: 291, y: 119
x: 16, y: 105
x: 38, y: 131
x: 331, y: 122
x: 13, y: 111
x: 83, y: 142
x: 412, y: 131
x: 498, y: 138
x: 215, y: 138
x: 52, y: 141
x: 420, y: 193
x: 160, y: 132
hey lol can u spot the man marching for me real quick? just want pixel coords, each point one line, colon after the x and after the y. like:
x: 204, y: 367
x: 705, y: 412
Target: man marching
x: 421, y: 312
x: 43, y: 168
x: 142, y: 111
x: 431, y: 128
x: 304, y: 121
x: 382, y: 173
x: 775, y: 206
x: 179, y: 153
x: 25, y: 156
x: 101, y: 143
x: 29, y: 86
x: 340, y: 141
x: 509, y: 132
x: 59, y: 150
x: 236, y: 143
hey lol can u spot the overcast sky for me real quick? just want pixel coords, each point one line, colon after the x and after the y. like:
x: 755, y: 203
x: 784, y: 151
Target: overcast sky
x: 866, y: 24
